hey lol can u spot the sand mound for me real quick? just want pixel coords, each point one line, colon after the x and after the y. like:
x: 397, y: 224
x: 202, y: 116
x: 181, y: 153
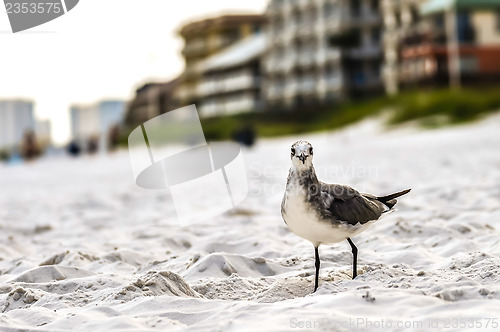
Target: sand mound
x: 70, y: 258
x: 223, y: 265
x: 21, y: 298
x: 157, y: 284
x: 51, y: 273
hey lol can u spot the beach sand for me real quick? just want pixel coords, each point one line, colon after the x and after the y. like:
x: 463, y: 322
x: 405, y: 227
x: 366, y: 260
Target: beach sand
x: 82, y: 247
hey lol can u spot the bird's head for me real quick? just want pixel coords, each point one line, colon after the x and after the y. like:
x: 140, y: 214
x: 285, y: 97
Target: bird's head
x: 301, y: 154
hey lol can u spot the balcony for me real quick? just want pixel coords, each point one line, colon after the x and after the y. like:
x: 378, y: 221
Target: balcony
x: 186, y: 92
x: 366, y: 52
x: 303, y: 4
x: 362, y: 80
x: 361, y: 20
x: 275, y: 89
x: 289, y: 61
x: 306, y: 58
x: 291, y: 88
x: 194, y: 48
x: 276, y: 63
x: 306, y: 29
x: 191, y: 72
x: 332, y: 55
x: 227, y: 83
x: 220, y: 42
x: 229, y: 105
x: 333, y: 82
x: 275, y: 7
x: 307, y: 85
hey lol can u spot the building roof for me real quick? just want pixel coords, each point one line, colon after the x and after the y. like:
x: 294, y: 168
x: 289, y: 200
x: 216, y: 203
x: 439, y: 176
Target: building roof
x: 153, y: 85
x: 237, y: 54
x: 203, y: 26
x: 437, y: 6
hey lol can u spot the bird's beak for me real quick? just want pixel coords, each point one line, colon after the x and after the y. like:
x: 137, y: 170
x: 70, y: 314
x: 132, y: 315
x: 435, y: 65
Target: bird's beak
x: 303, y: 158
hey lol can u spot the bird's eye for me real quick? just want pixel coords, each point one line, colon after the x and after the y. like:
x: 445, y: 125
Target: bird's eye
x: 293, y: 152
x: 310, y: 150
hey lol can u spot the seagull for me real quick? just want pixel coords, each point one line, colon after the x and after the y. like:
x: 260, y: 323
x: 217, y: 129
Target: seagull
x: 327, y: 213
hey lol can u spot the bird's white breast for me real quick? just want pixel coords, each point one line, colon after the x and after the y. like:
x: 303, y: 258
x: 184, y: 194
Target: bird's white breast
x: 304, y: 222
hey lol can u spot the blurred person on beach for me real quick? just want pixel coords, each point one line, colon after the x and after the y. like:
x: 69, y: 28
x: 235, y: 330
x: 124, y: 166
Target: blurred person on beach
x: 113, y: 138
x: 4, y: 155
x: 30, y: 149
x: 245, y: 135
x: 74, y: 148
x: 93, y: 144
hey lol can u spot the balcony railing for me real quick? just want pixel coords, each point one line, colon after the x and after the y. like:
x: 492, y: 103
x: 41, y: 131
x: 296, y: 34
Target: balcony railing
x: 227, y: 84
x: 365, y: 52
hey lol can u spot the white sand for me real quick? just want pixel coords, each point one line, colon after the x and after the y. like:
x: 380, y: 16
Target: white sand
x: 82, y: 247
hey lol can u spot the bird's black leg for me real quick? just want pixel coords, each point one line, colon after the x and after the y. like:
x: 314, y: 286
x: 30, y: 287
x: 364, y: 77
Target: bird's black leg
x: 316, y: 254
x: 354, y: 259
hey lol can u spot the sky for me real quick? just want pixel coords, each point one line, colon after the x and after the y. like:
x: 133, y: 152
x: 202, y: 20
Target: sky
x: 102, y: 49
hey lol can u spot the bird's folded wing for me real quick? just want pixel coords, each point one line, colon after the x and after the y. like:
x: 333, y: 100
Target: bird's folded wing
x: 347, y: 204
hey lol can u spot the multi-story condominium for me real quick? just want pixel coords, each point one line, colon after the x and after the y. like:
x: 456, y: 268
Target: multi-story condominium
x: 95, y: 120
x: 231, y: 79
x: 151, y: 100
x: 16, y: 118
x: 438, y: 42
x: 84, y: 121
x: 205, y: 38
x: 111, y: 114
x: 322, y: 51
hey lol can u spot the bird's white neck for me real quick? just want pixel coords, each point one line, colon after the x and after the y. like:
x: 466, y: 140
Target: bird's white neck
x: 305, y: 175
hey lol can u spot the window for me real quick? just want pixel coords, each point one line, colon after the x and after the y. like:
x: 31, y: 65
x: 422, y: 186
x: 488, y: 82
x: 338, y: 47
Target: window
x: 297, y: 17
x: 278, y: 25
x: 349, y: 38
x: 439, y: 21
x: 231, y: 36
x: 469, y: 64
x: 358, y: 77
x: 498, y: 19
x: 415, y: 16
x: 466, y: 33
x: 355, y: 8
x: 329, y: 9
x: 376, y: 35
x: 298, y: 45
x: 397, y: 17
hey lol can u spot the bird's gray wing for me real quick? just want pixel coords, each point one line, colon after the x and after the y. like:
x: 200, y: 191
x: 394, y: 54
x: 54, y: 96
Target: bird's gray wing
x: 346, y: 204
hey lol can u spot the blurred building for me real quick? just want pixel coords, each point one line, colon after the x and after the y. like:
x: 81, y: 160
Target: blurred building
x: 93, y: 122
x: 111, y: 113
x: 43, y: 132
x: 322, y: 51
x: 16, y: 118
x: 440, y: 42
x: 151, y: 100
x: 205, y: 38
x: 84, y: 121
x: 401, y: 18
x: 231, y: 79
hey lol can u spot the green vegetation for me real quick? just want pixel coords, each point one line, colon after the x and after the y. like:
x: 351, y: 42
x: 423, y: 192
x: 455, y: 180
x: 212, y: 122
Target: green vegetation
x: 442, y: 107
x: 286, y: 123
x: 429, y: 108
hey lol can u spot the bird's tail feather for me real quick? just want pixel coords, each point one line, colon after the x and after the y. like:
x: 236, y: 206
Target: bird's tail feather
x: 390, y: 200
x: 392, y: 196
